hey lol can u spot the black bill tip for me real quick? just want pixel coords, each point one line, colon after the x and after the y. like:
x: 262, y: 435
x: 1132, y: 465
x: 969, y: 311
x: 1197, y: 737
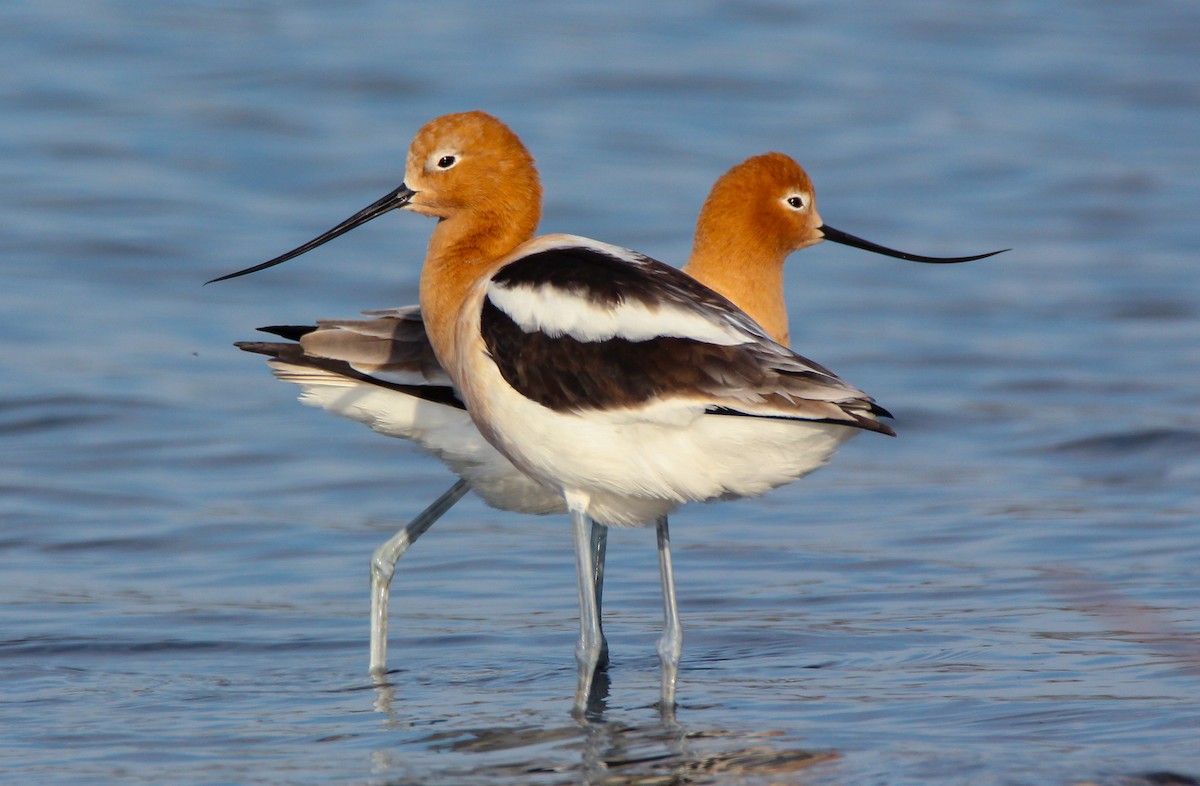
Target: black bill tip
x: 846, y: 239
x: 390, y: 201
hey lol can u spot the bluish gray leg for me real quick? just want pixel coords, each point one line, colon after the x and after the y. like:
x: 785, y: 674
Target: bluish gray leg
x: 599, y: 547
x: 587, y: 652
x: 670, y: 646
x: 383, y: 566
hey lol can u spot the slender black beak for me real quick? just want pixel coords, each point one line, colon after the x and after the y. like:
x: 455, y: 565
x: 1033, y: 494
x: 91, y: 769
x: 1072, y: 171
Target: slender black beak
x: 391, y: 201
x: 837, y: 236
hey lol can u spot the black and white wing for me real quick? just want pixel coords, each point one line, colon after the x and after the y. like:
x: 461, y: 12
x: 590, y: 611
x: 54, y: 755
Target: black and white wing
x: 578, y: 325
x: 390, y: 351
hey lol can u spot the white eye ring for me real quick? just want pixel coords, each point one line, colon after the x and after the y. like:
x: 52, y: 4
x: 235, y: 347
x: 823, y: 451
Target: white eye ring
x: 795, y: 202
x: 445, y: 162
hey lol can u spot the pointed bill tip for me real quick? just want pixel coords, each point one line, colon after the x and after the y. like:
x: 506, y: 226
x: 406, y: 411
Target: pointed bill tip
x: 393, y: 200
x: 846, y: 239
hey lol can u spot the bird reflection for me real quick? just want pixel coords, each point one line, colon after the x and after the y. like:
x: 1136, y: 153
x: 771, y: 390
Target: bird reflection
x: 600, y: 751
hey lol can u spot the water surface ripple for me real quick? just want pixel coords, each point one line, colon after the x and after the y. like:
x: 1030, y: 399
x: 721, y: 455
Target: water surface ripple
x: 1005, y: 594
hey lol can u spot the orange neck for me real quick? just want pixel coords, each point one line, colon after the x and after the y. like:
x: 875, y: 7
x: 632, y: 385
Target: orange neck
x: 748, y: 273
x: 463, y: 250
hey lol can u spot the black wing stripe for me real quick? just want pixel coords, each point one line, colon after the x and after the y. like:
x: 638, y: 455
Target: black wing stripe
x: 291, y: 353
x: 568, y: 375
x: 859, y: 422
x: 290, y: 332
x: 609, y: 280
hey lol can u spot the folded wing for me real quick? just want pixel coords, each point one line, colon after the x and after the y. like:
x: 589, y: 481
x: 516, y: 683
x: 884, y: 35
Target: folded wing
x: 580, y: 325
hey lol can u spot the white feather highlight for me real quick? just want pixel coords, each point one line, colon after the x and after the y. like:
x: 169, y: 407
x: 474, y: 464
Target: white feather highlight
x: 558, y: 312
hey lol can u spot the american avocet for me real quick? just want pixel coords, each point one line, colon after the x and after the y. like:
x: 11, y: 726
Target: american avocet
x: 382, y: 371
x: 619, y: 382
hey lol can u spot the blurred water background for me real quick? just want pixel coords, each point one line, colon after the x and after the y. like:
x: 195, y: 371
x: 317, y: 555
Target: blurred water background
x: 1005, y: 594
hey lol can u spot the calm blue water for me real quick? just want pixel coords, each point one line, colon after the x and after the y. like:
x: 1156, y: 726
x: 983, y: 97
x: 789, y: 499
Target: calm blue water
x: 1006, y: 594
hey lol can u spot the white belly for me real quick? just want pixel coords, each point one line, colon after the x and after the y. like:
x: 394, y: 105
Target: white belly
x: 636, y: 464
x: 445, y: 432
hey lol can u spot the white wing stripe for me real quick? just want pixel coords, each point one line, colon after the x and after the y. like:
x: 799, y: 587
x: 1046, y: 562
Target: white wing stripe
x: 555, y: 312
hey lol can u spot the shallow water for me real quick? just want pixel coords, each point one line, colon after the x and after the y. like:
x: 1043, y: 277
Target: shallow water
x: 1006, y: 594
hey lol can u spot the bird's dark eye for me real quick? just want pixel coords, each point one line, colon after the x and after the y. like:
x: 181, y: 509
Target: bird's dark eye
x: 445, y: 162
x: 795, y: 202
